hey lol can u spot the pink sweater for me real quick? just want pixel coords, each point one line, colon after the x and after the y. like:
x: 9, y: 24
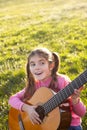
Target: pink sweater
x: 78, y: 110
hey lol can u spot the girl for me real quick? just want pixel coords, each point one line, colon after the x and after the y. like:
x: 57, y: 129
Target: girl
x: 42, y: 67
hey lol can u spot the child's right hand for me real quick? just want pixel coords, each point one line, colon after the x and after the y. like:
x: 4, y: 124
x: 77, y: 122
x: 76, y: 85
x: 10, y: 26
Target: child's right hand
x: 33, y: 115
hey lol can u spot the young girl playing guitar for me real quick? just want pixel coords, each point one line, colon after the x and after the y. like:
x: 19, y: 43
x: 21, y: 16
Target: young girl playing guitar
x: 42, y: 70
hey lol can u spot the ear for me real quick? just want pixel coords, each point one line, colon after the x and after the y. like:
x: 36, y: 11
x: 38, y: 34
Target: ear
x: 52, y: 66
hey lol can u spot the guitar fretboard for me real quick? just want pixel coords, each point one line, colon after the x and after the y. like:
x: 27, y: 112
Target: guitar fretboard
x: 63, y: 94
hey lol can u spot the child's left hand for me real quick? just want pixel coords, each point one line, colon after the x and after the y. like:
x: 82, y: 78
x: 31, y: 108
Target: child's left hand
x: 76, y: 96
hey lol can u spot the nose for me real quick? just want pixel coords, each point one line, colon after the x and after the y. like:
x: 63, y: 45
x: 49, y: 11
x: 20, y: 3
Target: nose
x: 37, y: 67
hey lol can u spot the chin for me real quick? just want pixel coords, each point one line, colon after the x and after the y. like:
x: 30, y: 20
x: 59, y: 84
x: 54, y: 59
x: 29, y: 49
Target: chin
x: 40, y: 79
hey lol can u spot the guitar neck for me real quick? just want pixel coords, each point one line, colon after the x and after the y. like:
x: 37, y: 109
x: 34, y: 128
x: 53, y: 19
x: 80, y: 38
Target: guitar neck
x: 63, y: 94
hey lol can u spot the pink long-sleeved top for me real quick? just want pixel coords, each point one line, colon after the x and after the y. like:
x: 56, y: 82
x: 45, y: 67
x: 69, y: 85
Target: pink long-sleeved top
x: 78, y: 110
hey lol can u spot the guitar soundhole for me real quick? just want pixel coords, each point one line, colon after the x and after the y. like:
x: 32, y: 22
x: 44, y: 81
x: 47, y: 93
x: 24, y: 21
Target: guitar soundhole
x: 41, y: 112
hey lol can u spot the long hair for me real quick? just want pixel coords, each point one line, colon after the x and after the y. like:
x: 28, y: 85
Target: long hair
x: 54, y: 71
x: 50, y: 57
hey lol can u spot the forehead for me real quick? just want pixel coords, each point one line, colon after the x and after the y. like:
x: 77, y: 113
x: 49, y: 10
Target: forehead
x: 36, y: 57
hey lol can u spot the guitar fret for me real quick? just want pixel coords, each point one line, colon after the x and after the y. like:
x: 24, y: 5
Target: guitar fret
x: 50, y: 104
x: 80, y: 79
x: 56, y: 99
x: 62, y: 94
x: 71, y: 87
x: 68, y: 90
x: 46, y: 106
x: 78, y: 83
x: 55, y: 103
x: 85, y: 76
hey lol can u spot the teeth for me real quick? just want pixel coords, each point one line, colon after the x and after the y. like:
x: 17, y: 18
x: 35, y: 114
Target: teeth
x: 37, y: 73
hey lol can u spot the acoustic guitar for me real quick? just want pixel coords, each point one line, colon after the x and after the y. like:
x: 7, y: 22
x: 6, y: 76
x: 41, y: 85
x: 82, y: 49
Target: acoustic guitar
x: 48, y: 110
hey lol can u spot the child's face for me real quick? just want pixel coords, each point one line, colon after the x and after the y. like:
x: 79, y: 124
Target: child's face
x: 40, y: 67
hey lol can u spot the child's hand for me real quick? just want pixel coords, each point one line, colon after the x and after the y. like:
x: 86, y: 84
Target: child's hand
x: 76, y: 96
x: 33, y: 115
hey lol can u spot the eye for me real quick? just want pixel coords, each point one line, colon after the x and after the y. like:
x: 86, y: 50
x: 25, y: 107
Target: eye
x: 32, y: 64
x: 42, y: 62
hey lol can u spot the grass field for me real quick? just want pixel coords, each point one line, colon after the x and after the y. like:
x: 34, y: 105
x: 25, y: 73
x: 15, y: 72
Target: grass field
x: 58, y: 25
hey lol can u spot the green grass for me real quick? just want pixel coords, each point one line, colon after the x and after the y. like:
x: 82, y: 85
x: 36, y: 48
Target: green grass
x: 58, y: 25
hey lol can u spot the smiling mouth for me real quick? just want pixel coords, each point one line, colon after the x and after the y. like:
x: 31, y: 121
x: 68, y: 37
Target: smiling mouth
x: 38, y: 73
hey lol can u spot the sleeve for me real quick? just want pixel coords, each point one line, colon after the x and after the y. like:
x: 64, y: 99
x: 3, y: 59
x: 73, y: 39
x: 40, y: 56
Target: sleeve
x: 15, y: 100
x: 63, y: 81
x: 79, y: 108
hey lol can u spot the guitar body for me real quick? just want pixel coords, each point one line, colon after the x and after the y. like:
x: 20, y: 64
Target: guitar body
x: 50, y: 122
